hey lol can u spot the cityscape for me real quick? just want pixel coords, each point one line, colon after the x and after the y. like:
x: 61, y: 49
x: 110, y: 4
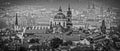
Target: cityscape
x: 59, y: 25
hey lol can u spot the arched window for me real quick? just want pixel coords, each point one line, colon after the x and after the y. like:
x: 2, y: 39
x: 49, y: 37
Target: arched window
x: 59, y: 23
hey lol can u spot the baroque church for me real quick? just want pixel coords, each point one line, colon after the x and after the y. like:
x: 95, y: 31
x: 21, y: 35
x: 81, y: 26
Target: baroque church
x: 60, y: 21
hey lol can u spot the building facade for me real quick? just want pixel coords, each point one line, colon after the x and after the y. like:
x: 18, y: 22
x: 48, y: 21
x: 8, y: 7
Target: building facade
x: 61, y: 19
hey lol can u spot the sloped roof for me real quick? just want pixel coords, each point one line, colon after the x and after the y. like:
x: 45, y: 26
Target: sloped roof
x: 35, y: 31
x: 71, y: 38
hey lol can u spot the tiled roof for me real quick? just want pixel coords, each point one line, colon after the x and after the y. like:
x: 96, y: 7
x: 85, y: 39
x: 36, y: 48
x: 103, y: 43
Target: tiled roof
x: 72, y: 38
x: 36, y: 31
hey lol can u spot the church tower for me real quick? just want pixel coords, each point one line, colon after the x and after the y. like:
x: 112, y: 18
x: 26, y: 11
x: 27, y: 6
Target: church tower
x: 89, y: 6
x: 103, y: 27
x: 69, y: 17
x: 16, y: 23
x: 16, y: 20
x: 93, y: 5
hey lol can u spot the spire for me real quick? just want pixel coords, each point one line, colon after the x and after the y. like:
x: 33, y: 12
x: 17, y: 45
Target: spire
x: 16, y: 21
x: 60, y: 9
x: 69, y: 15
x: 93, y: 7
x: 103, y: 27
x: 103, y: 22
x: 69, y: 7
x: 69, y: 10
x: 88, y: 4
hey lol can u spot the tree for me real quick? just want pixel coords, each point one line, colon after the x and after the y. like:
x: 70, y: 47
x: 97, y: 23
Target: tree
x: 34, y: 41
x: 67, y: 43
x: 23, y: 48
x: 55, y: 42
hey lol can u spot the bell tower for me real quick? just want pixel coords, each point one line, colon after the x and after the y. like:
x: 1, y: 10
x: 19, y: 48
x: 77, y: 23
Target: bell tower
x: 16, y: 23
x: 103, y: 27
x: 69, y: 17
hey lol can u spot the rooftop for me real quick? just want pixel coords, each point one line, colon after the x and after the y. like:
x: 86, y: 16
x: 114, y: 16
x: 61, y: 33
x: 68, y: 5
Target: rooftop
x: 36, y: 31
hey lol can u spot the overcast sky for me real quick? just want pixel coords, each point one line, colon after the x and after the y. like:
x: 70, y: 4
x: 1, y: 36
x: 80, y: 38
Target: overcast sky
x: 56, y: 3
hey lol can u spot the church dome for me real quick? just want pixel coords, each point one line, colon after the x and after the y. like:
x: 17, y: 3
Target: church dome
x: 59, y: 16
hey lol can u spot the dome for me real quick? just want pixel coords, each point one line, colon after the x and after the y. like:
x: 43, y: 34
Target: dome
x: 59, y: 16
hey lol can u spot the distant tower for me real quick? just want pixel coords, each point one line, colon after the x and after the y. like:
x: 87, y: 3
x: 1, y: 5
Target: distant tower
x: 16, y: 20
x: 93, y: 5
x: 89, y: 5
x: 69, y: 17
x: 103, y: 27
x: 16, y: 23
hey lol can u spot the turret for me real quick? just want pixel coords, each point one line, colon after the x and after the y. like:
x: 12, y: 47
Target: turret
x: 93, y: 5
x: 103, y: 27
x: 16, y: 20
x: 69, y: 13
x: 16, y: 23
x: 60, y: 9
x: 69, y: 17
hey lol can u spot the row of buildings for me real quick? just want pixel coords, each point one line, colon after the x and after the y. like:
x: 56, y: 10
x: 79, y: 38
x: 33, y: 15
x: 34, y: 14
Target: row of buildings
x: 91, y: 18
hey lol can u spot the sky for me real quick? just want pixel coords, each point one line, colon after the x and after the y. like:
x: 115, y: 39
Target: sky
x: 64, y: 3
